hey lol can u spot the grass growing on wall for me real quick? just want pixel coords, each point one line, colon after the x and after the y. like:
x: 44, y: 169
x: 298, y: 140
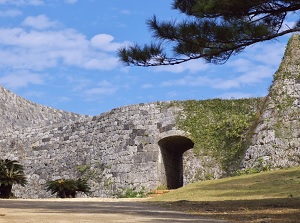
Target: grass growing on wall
x: 220, y: 128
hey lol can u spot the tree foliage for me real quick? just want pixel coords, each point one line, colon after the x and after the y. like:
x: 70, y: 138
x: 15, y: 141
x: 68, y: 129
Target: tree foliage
x: 213, y: 30
x: 11, y: 172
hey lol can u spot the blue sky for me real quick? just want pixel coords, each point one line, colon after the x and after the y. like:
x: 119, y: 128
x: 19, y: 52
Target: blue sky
x: 62, y: 53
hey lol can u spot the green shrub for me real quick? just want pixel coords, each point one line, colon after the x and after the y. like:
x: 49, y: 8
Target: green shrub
x: 132, y: 193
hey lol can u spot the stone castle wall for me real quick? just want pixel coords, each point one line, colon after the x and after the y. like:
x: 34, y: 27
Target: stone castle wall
x: 140, y: 146
x: 120, y: 146
x: 276, y: 140
x: 17, y: 113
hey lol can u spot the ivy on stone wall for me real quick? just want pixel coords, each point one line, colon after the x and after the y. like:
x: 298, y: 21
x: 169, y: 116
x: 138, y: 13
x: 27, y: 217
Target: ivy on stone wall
x: 220, y: 128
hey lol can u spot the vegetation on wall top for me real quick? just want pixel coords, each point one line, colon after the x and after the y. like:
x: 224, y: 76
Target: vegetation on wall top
x: 220, y: 128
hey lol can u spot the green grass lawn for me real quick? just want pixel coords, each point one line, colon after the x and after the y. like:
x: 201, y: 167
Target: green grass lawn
x: 272, y: 196
x: 272, y: 184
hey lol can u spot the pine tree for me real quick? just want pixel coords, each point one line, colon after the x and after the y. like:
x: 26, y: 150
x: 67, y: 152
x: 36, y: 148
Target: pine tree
x: 213, y: 30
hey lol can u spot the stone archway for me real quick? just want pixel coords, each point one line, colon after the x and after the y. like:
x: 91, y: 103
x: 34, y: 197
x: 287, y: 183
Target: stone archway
x: 172, y: 149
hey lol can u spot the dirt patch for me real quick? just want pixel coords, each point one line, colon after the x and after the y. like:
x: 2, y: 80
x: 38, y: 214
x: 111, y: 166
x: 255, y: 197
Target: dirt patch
x: 91, y: 211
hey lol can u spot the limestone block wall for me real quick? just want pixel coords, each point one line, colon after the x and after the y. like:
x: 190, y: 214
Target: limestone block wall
x: 120, y: 147
x: 200, y: 168
x: 276, y: 140
x: 17, y: 112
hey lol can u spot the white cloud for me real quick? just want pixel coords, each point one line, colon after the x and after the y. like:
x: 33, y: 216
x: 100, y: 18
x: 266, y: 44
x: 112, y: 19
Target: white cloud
x: 42, y: 49
x: 39, y: 22
x: 105, y: 42
x: 21, y: 79
x: 22, y: 2
x: 42, y: 40
x: 10, y: 13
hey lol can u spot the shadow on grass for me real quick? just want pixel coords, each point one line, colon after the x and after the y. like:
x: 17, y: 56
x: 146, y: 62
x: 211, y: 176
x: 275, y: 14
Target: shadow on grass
x: 263, y: 210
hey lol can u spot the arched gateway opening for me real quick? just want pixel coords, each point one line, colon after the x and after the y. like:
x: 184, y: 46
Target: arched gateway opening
x: 172, y: 149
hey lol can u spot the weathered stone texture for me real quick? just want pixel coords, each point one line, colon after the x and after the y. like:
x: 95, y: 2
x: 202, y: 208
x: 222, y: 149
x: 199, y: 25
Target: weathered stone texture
x: 276, y: 140
x: 123, y: 141
x: 17, y: 112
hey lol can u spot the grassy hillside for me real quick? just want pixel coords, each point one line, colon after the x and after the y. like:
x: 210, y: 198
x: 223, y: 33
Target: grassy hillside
x: 272, y: 196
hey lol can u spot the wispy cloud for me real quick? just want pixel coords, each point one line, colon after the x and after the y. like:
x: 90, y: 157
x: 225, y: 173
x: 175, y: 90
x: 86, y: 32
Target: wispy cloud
x: 70, y: 1
x: 190, y: 81
x: 21, y: 2
x: 21, y: 79
x: 172, y: 94
x: 125, y: 12
x: 10, y: 13
x: 270, y: 53
x: 254, y: 66
x: 121, y: 11
x: 192, y: 66
x: 147, y: 86
x: 252, y: 76
x: 35, y: 94
x: 103, y: 88
x: 64, y: 99
x: 78, y: 83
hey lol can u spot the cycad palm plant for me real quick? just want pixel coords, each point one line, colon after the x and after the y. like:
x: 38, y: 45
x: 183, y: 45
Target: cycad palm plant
x: 11, y: 172
x: 67, y: 188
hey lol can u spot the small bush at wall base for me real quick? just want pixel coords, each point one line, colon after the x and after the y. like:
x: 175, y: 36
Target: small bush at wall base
x: 162, y: 187
x: 67, y: 188
x: 132, y: 193
x: 261, y: 167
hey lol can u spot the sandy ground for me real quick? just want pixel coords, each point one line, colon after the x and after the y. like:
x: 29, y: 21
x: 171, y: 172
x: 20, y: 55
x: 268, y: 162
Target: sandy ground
x: 83, y: 210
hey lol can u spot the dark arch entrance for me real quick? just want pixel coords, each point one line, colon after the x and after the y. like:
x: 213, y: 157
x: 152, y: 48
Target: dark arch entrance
x: 172, y: 149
